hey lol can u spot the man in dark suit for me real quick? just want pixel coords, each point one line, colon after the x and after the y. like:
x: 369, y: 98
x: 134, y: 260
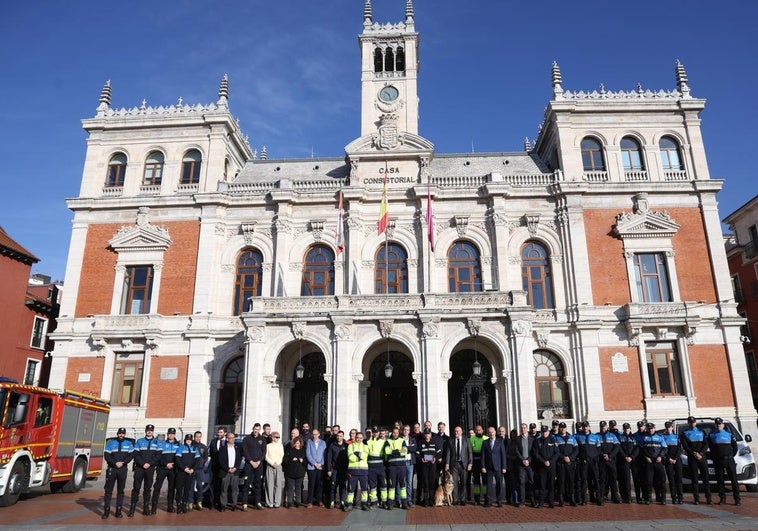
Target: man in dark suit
x: 229, y: 463
x: 521, y: 450
x: 493, y: 465
x: 459, y: 461
x: 214, y: 447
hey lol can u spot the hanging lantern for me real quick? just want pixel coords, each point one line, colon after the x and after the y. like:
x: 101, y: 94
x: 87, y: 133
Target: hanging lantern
x: 477, y: 368
x: 300, y: 370
x: 388, y: 370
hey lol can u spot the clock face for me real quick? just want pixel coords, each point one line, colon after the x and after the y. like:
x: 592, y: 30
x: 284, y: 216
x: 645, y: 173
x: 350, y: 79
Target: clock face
x: 388, y: 94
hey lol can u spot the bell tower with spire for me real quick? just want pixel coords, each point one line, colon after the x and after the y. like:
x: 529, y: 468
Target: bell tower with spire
x: 389, y: 72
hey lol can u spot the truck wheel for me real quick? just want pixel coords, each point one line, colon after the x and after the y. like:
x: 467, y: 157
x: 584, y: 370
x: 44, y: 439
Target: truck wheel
x: 17, y: 482
x: 78, y: 476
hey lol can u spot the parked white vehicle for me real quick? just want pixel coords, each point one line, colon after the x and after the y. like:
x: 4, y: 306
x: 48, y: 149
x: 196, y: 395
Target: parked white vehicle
x: 746, y: 470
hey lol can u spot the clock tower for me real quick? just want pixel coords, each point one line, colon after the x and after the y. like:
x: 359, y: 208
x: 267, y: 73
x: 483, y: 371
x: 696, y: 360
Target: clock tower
x: 389, y: 73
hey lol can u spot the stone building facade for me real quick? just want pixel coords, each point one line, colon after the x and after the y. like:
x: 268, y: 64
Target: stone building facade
x: 583, y: 277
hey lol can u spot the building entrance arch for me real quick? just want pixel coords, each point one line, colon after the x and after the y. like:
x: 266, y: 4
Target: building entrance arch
x: 471, y: 398
x: 309, y: 399
x: 391, y: 399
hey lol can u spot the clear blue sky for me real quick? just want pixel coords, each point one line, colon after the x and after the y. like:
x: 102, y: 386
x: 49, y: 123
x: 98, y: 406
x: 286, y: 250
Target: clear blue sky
x: 294, y: 72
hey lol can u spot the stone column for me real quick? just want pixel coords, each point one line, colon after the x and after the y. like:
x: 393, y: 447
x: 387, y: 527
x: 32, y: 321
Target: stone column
x: 522, y: 346
x: 344, y: 408
x: 433, y: 390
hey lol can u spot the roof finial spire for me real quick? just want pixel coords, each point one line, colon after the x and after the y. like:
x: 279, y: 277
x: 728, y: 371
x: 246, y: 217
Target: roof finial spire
x: 409, y: 11
x: 264, y: 153
x: 105, y: 96
x: 527, y: 144
x: 681, y: 79
x: 368, y: 17
x: 223, y: 91
x: 557, y: 81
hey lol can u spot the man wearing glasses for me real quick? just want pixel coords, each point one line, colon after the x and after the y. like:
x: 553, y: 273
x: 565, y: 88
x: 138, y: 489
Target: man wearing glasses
x: 229, y: 461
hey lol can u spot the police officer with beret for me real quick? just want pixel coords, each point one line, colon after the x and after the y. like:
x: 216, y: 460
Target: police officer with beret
x: 118, y: 454
x: 147, y: 454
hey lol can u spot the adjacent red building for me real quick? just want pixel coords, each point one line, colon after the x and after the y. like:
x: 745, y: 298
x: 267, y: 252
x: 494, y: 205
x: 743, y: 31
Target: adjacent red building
x: 28, y: 314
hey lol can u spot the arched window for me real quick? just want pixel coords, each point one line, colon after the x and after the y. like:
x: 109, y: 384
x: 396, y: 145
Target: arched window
x: 116, y: 170
x: 378, y: 60
x: 191, y: 163
x: 318, y: 272
x: 592, y: 155
x: 552, y: 391
x: 536, y: 279
x: 392, y: 269
x: 247, y: 281
x: 464, y: 272
x: 389, y: 60
x: 400, y: 59
x: 153, y: 169
x: 229, y: 406
x: 631, y: 155
x: 670, y: 158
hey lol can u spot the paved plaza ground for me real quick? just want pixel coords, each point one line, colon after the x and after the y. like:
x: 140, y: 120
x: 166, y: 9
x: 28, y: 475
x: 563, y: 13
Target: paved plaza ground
x: 82, y: 510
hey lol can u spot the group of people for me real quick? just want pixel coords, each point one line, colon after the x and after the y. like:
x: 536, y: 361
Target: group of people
x: 376, y: 468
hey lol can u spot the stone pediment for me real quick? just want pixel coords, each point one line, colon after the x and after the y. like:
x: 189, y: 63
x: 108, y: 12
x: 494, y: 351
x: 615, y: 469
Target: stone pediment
x: 381, y: 143
x: 647, y: 224
x: 143, y: 236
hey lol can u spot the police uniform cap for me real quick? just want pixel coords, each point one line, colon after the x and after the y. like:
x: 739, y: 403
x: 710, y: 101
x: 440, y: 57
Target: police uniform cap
x: 562, y: 425
x: 556, y: 423
x: 149, y: 427
x: 603, y: 423
x: 188, y: 437
x: 532, y: 426
x: 650, y: 425
x: 545, y: 427
x: 719, y: 420
x: 612, y: 423
x: 120, y: 431
x: 171, y: 430
x: 668, y: 423
x: 626, y: 426
x: 640, y: 423
x: 690, y: 420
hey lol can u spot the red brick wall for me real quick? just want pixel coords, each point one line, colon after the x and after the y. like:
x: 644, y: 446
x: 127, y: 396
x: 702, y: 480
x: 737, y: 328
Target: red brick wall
x: 166, y: 397
x: 711, y: 380
x: 93, y: 366
x: 15, y: 317
x: 608, y: 266
x: 621, y: 390
x: 177, y: 288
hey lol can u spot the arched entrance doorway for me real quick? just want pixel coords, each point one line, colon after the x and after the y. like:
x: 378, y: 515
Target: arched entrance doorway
x: 230, y: 398
x: 391, y: 399
x: 309, y: 394
x: 471, y: 398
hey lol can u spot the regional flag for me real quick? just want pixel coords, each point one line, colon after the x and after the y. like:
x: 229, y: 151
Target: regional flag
x: 340, y: 236
x: 384, y: 215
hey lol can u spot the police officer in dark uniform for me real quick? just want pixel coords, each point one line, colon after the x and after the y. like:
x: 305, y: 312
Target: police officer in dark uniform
x: 723, y: 449
x: 588, y: 465
x: 626, y: 461
x: 118, y: 454
x: 653, y: 451
x: 545, y: 457
x: 147, y: 455
x: 167, y: 472
x: 187, y: 459
x: 567, y: 453
x: 609, y: 449
x: 639, y: 468
x: 673, y: 463
x: 695, y: 445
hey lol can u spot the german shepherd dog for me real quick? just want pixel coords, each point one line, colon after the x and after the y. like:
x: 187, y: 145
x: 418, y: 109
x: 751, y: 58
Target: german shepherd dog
x: 444, y: 493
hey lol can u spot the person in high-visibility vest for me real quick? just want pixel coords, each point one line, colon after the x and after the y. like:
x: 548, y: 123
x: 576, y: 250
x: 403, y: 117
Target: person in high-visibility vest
x: 395, y: 451
x: 377, y: 479
x: 357, y: 472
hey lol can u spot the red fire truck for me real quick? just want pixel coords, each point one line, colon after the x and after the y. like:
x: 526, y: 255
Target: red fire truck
x: 48, y: 437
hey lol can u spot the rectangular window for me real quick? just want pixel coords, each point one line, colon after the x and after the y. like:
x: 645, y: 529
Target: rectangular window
x: 38, y: 332
x: 737, y: 289
x: 663, y: 369
x: 31, y: 372
x: 651, y: 277
x: 44, y: 414
x: 138, y: 288
x: 745, y: 328
x: 127, y: 383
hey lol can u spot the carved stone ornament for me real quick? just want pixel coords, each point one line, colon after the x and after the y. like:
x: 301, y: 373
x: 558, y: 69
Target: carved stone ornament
x: 248, y: 232
x: 385, y: 327
x: 317, y: 228
x: 531, y: 221
x: 562, y: 217
x: 127, y: 344
x: 141, y: 237
x: 644, y: 223
x: 661, y: 333
x: 633, y: 335
x: 521, y: 328
x: 430, y: 329
x: 389, y: 137
x: 391, y: 225
x: 461, y: 225
x: 282, y: 226
x: 542, y: 337
x: 298, y: 330
x: 100, y: 345
x: 689, y: 334
x: 473, y: 325
x: 256, y: 334
x: 343, y: 331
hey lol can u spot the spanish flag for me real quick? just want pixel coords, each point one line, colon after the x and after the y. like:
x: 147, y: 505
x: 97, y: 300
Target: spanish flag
x: 384, y: 215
